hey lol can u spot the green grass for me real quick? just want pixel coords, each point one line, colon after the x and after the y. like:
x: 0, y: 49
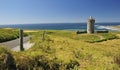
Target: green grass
x: 9, y: 34
x: 65, y: 50
x: 91, y: 38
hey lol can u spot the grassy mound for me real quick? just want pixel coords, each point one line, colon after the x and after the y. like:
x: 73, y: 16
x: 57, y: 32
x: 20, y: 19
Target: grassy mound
x: 91, y: 38
x: 9, y: 34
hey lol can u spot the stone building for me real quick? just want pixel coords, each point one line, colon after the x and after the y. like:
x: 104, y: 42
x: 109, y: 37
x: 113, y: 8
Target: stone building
x: 90, y: 25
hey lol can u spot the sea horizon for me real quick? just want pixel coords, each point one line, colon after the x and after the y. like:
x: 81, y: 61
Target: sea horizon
x: 58, y: 23
x: 63, y: 26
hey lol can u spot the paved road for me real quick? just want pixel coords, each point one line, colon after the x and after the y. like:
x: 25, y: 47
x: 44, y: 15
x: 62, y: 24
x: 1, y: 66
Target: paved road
x: 14, y: 43
x: 26, y: 46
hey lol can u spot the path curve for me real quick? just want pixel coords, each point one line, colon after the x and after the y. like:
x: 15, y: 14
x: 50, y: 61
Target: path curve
x: 13, y: 43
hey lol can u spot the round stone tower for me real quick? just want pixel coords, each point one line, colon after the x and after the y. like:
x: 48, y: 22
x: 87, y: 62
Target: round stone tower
x: 90, y: 25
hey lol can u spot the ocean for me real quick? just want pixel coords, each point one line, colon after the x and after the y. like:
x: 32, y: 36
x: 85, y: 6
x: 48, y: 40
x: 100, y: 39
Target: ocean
x: 62, y: 26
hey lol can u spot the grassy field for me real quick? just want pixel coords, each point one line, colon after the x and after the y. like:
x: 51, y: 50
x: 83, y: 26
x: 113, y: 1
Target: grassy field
x: 65, y: 50
x: 7, y: 34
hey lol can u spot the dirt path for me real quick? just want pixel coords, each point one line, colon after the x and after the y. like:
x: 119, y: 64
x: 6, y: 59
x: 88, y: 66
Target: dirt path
x: 101, y: 37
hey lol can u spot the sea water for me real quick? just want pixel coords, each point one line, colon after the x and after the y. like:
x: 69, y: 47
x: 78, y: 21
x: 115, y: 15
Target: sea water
x: 62, y: 26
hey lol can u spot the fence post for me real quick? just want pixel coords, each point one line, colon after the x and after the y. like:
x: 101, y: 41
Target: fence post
x: 43, y: 36
x: 21, y: 39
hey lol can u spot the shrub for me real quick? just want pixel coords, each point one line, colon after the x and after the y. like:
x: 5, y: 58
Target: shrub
x: 6, y: 60
x: 9, y: 34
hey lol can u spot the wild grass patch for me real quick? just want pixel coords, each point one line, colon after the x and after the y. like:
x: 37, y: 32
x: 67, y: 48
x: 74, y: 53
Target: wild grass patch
x: 9, y: 34
x: 65, y: 50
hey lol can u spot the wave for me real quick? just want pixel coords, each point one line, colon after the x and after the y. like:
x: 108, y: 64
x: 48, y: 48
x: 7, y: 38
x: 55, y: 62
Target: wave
x: 107, y: 28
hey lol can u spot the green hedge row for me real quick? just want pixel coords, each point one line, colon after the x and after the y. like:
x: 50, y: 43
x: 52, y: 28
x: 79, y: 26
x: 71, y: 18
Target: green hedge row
x: 9, y: 34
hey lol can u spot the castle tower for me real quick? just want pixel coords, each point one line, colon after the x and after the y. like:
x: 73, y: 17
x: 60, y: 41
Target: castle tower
x: 90, y: 25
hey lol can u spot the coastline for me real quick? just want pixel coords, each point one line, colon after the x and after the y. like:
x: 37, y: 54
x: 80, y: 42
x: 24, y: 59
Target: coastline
x: 68, y: 27
x: 109, y: 27
x: 76, y: 47
x: 114, y: 28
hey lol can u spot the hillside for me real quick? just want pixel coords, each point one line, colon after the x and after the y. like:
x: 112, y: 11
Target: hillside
x: 65, y: 50
x: 7, y: 34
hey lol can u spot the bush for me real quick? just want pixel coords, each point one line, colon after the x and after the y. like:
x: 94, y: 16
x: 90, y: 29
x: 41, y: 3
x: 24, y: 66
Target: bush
x: 6, y: 60
x: 102, y: 31
x: 9, y: 34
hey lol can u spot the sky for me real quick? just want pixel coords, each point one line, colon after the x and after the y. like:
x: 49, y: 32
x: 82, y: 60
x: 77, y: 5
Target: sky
x: 58, y: 11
